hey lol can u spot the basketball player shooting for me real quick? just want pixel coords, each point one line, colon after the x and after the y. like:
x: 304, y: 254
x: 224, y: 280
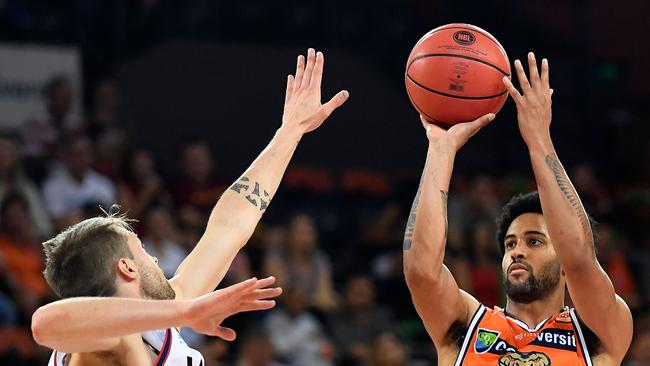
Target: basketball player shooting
x: 547, y: 244
x: 118, y: 308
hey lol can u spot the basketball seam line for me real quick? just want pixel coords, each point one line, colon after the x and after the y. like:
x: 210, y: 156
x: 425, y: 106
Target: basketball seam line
x: 451, y: 95
x: 459, y: 56
x: 420, y: 110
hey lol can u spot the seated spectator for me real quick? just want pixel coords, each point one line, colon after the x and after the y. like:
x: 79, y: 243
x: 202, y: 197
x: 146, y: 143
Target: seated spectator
x: 105, y: 128
x: 296, y: 335
x: 198, y: 190
x: 613, y: 260
x: 75, y: 187
x: 301, y: 264
x: 42, y: 132
x: 387, y: 350
x: 21, y: 251
x: 359, y: 321
x: 639, y: 353
x: 485, y: 272
x: 13, y: 179
x: 160, y: 240
x: 142, y: 186
x: 256, y: 350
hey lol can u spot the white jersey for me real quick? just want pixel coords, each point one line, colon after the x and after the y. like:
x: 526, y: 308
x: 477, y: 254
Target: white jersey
x: 167, y: 344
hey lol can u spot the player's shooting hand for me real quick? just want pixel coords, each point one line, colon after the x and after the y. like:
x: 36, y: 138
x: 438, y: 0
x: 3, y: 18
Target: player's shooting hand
x: 534, y: 106
x: 206, y: 313
x: 451, y: 140
x: 302, y: 105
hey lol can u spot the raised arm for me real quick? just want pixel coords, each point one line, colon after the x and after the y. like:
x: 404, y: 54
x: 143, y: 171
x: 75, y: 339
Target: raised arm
x: 87, y: 324
x: 591, y: 290
x: 436, y: 296
x: 240, y: 208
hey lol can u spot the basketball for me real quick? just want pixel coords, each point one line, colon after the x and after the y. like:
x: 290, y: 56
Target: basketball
x: 454, y: 74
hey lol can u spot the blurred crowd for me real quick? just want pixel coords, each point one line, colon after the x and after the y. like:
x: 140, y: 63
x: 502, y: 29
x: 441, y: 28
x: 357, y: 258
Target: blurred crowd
x: 332, y: 239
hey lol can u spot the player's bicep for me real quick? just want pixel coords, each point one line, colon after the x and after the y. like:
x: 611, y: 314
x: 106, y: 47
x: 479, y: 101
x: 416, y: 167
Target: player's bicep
x: 441, y: 303
x: 604, y: 312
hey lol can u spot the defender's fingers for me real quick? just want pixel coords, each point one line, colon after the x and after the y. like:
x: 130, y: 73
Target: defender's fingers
x: 317, y: 74
x: 514, y: 93
x: 521, y: 75
x: 532, y: 69
x: 311, y: 60
x: 545, y: 74
x: 289, y: 92
x: 300, y: 71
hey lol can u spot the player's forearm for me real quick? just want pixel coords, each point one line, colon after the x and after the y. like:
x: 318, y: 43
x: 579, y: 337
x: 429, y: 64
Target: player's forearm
x: 566, y: 219
x: 98, y: 318
x: 243, y: 204
x: 426, y: 230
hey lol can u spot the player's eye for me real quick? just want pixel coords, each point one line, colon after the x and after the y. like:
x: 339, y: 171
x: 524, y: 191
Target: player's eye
x: 534, y: 242
x: 510, y: 244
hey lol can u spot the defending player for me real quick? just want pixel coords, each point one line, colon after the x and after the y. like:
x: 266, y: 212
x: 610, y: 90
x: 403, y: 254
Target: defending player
x: 118, y: 308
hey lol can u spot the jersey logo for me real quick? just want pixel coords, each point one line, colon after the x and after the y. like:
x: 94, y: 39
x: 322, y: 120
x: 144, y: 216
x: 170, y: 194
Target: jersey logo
x: 485, y: 339
x: 563, y: 317
x: 525, y: 359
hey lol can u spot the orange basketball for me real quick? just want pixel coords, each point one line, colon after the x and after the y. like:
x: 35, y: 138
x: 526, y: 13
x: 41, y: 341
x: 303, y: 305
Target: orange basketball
x: 454, y: 74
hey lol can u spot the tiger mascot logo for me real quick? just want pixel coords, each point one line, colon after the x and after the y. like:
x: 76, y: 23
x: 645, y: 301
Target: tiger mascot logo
x: 525, y: 359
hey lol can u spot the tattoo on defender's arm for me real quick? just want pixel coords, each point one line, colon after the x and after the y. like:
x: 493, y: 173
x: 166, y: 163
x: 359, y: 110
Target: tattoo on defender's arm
x: 569, y: 192
x: 258, y: 197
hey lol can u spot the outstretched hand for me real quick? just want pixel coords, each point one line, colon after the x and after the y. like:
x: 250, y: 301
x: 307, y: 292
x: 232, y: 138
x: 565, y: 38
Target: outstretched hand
x: 206, y: 313
x: 302, y: 105
x: 534, y: 106
x: 451, y: 140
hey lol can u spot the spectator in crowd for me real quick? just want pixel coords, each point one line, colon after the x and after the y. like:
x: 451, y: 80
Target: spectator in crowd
x: 359, y: 321
x: 198, y: 190
x: 485, y: 274
x: 106, y: 129
x: 159, y: 240
x: 296, y: 334
x: 141, y: 186
x: 256, y: 350
x: 302, y: 264
x: 639, y: 353
x: 21, y: 253
x: 613, y: 260
x: 387, y: 350
x: 74, y: 187
x: 42, y: 132
x: 13, y: 179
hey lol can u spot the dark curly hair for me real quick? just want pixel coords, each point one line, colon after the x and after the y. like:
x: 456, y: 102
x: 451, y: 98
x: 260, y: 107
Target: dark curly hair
x: 519, y: 205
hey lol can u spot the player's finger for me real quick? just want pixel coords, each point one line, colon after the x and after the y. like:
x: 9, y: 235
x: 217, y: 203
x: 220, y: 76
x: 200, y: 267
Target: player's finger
x: 255, y: 305
x: 521, y: 75
x: 532, y: 69
x: 300, y: 71
x: 311, y: 60
x: 265, y: 293
x: 289, y: 93
x: 514, y: 93
x: 335, y: 102
x: 545, y: 74
x: 224, y: 333
x: 317, y: 74
x: 238, y: 287
x: 265, y: 282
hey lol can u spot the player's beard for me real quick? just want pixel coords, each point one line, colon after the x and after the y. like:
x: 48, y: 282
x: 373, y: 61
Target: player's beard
x: 154, y: 285
x: 535, y: 287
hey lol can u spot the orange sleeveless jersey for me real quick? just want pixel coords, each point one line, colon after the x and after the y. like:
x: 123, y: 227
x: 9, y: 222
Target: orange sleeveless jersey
x: 495, y: 339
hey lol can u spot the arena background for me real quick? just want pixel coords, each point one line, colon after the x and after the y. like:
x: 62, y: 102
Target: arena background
x: 197, y: 88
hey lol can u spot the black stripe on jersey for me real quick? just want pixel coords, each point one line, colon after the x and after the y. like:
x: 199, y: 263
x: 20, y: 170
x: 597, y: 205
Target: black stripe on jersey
x: 480, y: 313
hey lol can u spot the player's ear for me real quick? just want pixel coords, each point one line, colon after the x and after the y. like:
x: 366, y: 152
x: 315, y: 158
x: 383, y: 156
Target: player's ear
x: 127, y: 269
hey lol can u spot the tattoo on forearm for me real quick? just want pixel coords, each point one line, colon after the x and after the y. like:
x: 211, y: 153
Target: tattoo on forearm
x: 445, y: 195
x: 255, y: 198
x: 410, y: 224
x: 569, y: 193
